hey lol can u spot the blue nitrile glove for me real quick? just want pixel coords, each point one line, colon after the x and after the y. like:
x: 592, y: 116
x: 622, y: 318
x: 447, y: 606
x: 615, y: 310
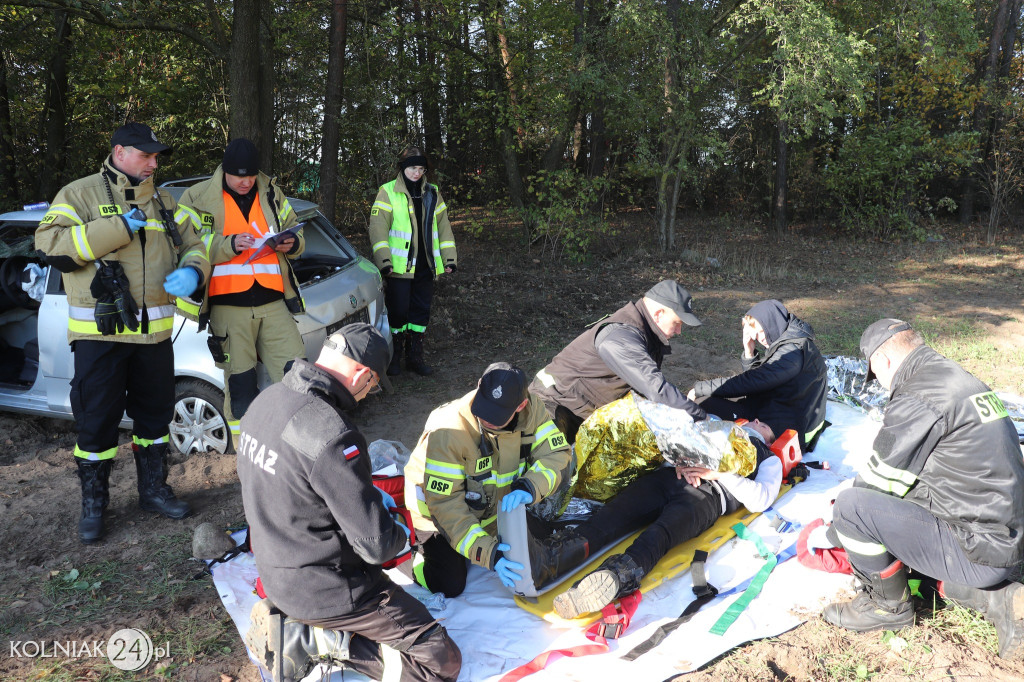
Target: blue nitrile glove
x: 400, y: 522
x: 132, y: 222
x: 389, y: 502
x: 181, y: 282
x: 514, y: 499
x: 506, y: 569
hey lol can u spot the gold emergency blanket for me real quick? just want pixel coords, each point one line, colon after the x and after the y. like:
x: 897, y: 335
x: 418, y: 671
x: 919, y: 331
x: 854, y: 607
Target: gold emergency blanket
x: 630, y: 437
x: 613, y: 448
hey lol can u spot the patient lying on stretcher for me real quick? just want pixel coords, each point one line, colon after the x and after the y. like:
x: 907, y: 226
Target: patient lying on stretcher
x: 676, y: 504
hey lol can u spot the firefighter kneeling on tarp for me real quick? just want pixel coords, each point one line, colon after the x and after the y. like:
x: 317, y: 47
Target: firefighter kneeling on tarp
x: 320, y: 530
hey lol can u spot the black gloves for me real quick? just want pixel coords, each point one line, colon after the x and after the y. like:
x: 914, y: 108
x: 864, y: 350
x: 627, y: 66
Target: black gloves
x: 115, y: 307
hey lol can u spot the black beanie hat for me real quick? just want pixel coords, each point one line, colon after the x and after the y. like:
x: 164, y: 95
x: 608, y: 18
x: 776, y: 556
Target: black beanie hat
x: 415, y: 160
x: 241, y: 158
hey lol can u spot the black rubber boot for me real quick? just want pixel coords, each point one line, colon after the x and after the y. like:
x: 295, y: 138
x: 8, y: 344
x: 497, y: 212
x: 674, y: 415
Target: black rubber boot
x: 154, y: 493
x: 95, y: 478
x: 556, y: 556
x: 289, y: 649
x: 395, y: 366
x: 1003, y: 606
x: 414, y: 355
x: 882, y: 603
x: 618, y: 576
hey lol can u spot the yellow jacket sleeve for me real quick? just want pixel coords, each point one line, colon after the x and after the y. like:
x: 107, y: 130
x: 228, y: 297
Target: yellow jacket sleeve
x: 445, y: 238
x: 380, y: 225
x: 63, y: 232
x: 444, y: 488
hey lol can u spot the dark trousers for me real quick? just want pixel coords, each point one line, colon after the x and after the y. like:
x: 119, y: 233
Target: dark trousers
x: 112, y: 378
x: 397, y: 619
x: 909, y: 533
x: 675, y: 511
x: 440, y: 567
x: 408, y: 301
x: 731, y: 410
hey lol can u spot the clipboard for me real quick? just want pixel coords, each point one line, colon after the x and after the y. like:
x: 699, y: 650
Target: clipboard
x: 272, y: 240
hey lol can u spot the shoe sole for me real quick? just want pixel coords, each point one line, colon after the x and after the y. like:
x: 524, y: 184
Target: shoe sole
x: 591, y: 594
x: 260, y: 638
x: 1017, y: 601
x: 1014, y: 649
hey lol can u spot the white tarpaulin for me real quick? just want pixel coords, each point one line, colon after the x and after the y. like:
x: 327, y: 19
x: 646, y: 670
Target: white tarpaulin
x: 496, y: 636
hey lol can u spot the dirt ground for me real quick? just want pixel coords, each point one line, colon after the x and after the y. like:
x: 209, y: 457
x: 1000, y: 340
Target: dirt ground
x: 507, y: 302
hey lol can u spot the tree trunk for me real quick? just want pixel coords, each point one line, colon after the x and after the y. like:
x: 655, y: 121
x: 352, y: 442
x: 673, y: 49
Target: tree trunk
x: 332, y: 109
x: 988, y: 73
x: 507, y: 141
x: 8, y: 165
x: 554, y: 156
x: 268, y: 123
x: 430, y: 93
x: 55, y: 112
x: 667, y: 193
x: 779, y: 194
x: 248, y: 81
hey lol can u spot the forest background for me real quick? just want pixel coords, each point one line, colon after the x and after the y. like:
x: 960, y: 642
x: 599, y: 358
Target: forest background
x: 873, y: 117
x: 849, y: 157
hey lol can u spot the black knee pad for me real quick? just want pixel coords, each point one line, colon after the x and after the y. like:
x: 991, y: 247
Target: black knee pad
x: 243, y: 391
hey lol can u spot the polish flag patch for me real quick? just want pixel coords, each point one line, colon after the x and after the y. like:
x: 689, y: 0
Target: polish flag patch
x: 351, y: 451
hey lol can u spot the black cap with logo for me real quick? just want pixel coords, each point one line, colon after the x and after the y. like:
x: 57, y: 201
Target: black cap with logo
x: 501, y: 390
x: 140, y: 136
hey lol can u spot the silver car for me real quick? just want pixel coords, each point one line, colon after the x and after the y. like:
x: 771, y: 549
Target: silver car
x: 36, y: 364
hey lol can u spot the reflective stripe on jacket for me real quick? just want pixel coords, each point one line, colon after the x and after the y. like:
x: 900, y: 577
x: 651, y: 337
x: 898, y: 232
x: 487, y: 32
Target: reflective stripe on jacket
x: 455, y: 487
x: 394, y: 231
x: 234, y: 276
x: 202, y: 208
x: 948, y: 445
x: 83, y: 225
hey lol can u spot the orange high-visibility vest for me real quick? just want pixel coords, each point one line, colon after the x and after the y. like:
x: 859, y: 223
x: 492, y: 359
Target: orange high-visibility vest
x: 234, y: 276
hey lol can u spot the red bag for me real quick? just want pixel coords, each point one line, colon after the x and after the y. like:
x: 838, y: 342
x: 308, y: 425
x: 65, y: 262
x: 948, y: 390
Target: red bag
x: 395, y: 487
x: 830, y: 560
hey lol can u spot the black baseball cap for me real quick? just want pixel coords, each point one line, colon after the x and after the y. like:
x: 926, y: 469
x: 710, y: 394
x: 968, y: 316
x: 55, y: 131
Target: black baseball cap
x: 670, y: 293
x: 140, y: 136
x: 500, y: 391
x: 364, y: 344
x: 241, y: 158
x: 875, y: 335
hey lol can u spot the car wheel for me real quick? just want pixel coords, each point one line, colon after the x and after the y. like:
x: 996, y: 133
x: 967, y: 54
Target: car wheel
x: 198, y: 424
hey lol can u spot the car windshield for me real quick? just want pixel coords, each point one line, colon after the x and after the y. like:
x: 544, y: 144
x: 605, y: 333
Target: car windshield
x: 17, y: 239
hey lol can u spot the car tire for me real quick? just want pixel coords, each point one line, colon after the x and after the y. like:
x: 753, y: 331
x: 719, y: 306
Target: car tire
x: 198, y: 424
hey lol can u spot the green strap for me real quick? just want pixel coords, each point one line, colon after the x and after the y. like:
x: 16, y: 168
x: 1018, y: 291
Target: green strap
x: 737, y: 607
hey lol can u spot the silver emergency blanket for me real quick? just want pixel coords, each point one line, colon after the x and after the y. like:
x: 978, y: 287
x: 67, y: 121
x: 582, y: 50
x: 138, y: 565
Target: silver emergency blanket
x: 712, y: 443
x: 1015, y: 407
x: 846, y: 385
